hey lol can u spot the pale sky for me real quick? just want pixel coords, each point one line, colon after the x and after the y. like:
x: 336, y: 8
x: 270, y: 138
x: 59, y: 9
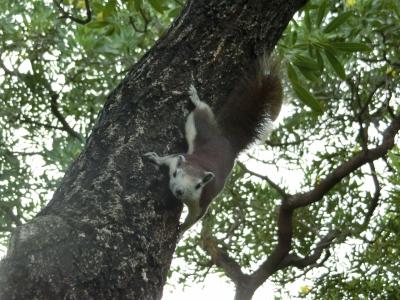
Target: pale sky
x: 214, y: 287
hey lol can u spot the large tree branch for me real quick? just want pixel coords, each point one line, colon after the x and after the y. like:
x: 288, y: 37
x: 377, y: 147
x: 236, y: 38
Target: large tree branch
x: 221, y: 259
x: 346, y: 168
x: 311, y: 259
x: 281, y: 250
x: 280, y: 257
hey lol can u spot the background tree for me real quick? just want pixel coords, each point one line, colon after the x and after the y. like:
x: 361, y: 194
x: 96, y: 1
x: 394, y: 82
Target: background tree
x: 342, y: 66
x: 322, y: 165
x: 109, y: 231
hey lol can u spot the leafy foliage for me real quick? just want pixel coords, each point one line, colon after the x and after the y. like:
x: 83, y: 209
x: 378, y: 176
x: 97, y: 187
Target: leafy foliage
x: 55, y: 75
x: 342, y: 66
x: 343, y: 75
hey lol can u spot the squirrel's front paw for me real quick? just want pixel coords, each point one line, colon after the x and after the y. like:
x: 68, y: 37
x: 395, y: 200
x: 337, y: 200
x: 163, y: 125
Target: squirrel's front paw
x: 152, y: 157
x: 192, y: 90
x: 193, y: 94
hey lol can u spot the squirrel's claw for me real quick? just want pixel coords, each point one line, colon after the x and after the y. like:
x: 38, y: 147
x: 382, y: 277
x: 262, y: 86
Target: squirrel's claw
x: 152, y: 157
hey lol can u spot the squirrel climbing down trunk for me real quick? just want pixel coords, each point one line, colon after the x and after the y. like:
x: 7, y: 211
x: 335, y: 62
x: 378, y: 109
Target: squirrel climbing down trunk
x: 214, y: 142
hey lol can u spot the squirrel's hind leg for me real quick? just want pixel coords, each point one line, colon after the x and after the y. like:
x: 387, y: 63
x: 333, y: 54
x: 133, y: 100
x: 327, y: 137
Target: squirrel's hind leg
x: 194, y: 97
x: 190, y: 132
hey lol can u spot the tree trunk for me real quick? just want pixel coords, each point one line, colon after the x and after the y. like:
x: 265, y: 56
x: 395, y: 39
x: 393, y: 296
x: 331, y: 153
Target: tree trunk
x: 244, y: 289
x: 111, y: 228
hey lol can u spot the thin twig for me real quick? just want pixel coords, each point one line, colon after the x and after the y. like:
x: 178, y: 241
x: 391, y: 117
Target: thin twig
x: 66, y: 15
x: 347, y: 167
x: 275, y: 186
x: 145, y: 19
x: 56, y: 112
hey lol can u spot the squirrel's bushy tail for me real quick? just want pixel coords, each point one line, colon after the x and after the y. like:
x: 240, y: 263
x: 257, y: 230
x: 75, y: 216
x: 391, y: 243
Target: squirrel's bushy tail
x: 255, y: 100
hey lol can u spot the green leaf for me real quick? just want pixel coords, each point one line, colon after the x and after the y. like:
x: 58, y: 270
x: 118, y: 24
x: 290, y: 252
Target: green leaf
x: 321, y: 44
x: 350, y: 47
x: 173, y: 13
x: 307, y: 73
x: 336, y: 22
x: 294, y: 37
x: 110, y: 30
x: 320, y: 61
x: 138, y: 5
x: 321, y: 13
x: 394, y: 160
x: 157, y: 5
x: 109, y: 49
x: 97, y: 24
x: 110, y: 8
x: 307, y: 20
x: 305, y: 62
x: 307, y: 98
x: 291, y: 73
x: 336, y: 64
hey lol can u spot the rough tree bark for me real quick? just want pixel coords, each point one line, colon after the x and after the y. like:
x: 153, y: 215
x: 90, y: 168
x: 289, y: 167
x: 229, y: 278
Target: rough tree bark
x: 111, y: 228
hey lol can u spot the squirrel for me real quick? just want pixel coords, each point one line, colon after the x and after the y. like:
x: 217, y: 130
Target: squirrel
x: 215, y: 141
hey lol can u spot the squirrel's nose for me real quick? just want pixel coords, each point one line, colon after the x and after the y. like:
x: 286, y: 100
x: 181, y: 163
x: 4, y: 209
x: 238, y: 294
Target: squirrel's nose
x: 179, y: 192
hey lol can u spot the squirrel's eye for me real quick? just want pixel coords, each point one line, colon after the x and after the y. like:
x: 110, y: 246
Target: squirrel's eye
x: 198, y: 186
x: 174, y: 174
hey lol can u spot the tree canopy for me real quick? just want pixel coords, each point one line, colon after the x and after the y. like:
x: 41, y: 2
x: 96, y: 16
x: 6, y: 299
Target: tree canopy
x: 331, y: 157
x: 55, y: 75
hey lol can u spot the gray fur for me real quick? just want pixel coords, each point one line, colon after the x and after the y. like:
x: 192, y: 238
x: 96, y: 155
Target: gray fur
x: 197, y: 177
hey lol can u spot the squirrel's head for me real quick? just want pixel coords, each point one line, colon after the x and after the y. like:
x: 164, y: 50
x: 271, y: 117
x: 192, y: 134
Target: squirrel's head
x: 188, y: 180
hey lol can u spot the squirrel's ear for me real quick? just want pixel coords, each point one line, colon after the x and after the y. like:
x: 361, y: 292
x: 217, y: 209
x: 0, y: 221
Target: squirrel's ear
x: 208, y: 177
x: 181, y: 159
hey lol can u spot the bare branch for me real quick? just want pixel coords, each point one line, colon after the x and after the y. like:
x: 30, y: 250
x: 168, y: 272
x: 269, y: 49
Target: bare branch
x: 53, y: 107
x: 27, y: 120
x: 343, y: 170
x: 273, y: 262
x: 9, y: 213
x: 377, y: 86
x: 280, y: 257
x: 302, y: 262
x: 145, y: 19
x: 363, y: 117
x: 221, y: 259
x: 275, y: 186
x: 284, y: 144
x: 25, y: 153
x: 363, y: 132
x: 56, y: 112
x: 66, y: 15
